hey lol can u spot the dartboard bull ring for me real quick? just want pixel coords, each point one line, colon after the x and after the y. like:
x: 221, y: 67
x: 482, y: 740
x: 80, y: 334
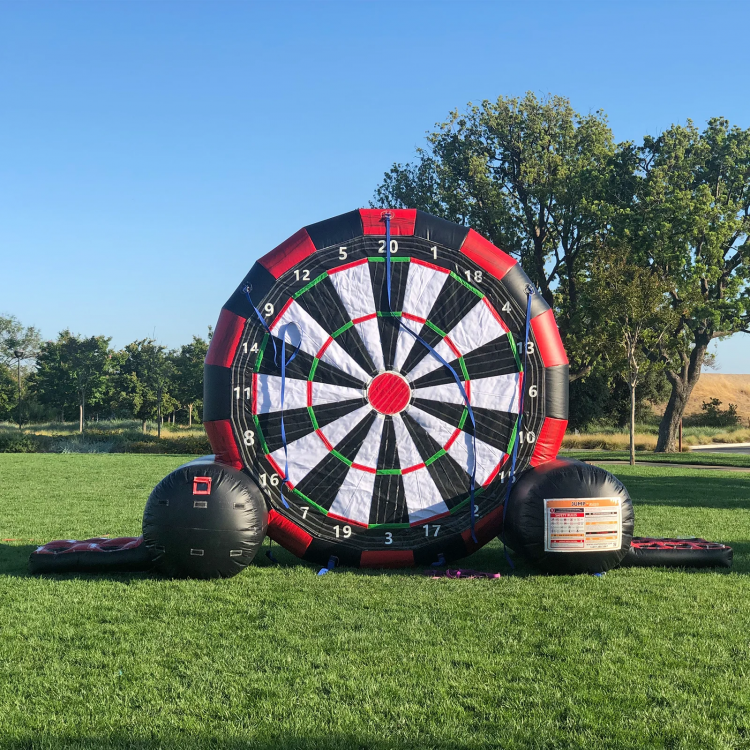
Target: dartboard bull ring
x: 336, y: 364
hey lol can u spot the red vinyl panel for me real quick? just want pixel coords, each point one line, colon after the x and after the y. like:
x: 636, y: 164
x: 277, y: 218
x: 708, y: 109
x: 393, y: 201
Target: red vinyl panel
x: 290, y: 252
x: 226, y: 339
x: 288, y: 534
x: 222, y: 442
x: 402, y: 221
x: 486, y: 255
x: 548, y: 339
x: 549, y: 440
x: 396, y: 558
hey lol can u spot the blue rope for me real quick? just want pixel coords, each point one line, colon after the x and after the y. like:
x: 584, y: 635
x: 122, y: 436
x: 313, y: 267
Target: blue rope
x: 472, y: 513
x: 284, y: 364
x: 519, y: 423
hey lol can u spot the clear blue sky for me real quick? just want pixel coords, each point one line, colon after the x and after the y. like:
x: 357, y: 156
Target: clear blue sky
x: 150, y: 152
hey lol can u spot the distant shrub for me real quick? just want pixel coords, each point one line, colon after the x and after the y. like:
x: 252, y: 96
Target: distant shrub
x: 22, y: 442
x: 714, y: 416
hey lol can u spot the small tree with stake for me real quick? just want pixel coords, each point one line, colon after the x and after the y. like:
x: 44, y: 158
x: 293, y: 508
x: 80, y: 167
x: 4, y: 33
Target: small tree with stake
x: 638, y: 319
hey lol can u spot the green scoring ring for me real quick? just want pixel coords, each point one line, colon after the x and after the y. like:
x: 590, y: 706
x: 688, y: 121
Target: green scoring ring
x: 311, y: 375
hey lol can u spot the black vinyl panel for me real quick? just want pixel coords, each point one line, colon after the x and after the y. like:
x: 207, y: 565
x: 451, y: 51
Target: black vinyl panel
x: 440, y: 231
x: 556, y: 383
x: 217, y: 393
x: 388, y: 497
x: 297, y: 424
x: 399, y: 275
x: 260, y: 282
x: 325, y: 479
x: 494, y: 358
x: 419, y: 351
x: 389, y: 327
x: 327, y: 413
x: 516, y: 281
x: 493, y: 427
x: 299, y: 368
x: 336, y: 231
x: 450, y: 478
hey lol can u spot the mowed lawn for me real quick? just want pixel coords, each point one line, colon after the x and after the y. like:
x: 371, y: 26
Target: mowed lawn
x: 281, y: 658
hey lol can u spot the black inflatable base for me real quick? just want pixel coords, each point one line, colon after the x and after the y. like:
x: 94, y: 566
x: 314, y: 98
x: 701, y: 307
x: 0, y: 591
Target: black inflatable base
x: 647, y: 552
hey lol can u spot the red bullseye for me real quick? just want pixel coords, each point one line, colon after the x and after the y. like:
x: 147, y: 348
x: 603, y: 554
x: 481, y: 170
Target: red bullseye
x: 389, y: 393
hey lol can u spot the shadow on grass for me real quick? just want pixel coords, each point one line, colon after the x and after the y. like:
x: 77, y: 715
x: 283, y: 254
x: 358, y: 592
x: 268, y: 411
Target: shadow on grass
x: 690, y: 492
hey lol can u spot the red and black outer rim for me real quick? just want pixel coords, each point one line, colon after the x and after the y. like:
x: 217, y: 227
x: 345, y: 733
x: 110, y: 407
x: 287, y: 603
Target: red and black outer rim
x: 272, y: 281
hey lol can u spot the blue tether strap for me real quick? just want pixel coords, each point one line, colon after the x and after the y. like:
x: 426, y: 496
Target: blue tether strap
x: 284, y: 364
x: 387, y: 217
x: 511, y: 478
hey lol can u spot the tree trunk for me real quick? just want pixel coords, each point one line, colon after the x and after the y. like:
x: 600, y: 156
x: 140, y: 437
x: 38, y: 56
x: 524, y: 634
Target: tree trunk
x: 80, y: 417
x: 632, y: 424
x: 682, y: 386
x: 143, y: 426
x: 190, y: 415
x: 158, y: 415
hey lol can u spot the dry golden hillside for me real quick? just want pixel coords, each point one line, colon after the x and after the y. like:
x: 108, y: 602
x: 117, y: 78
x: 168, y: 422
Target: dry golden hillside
x: 729, y: 389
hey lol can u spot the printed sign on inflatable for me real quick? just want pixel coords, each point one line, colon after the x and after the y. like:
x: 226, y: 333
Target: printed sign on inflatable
x: 369, y: 374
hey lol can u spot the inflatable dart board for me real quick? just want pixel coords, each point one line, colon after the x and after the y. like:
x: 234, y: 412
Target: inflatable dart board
x: 337, y: 363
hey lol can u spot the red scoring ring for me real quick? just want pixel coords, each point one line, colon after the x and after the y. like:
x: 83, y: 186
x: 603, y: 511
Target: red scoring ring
x: 389, y: 393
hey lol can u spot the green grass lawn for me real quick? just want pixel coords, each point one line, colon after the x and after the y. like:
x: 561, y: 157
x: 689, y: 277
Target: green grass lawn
x: 281, y: 658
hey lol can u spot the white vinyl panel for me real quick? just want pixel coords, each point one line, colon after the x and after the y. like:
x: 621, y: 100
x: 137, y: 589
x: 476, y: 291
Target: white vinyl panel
x: 462, y: 449
x: 354, y: 287
x: 299, y: 328
x: 423, y: 499
x: 448, y: 393
x: 499, y: 392
x: 430, y: 362
x: 370, y: 334
x: 268, y: 393
x: 405, y: 342
x: 477, y: 328
x: 325, y: 393
x: 302, y: 456
x: 423, y: 286
x: 354, y: 498
x: 337, y: 430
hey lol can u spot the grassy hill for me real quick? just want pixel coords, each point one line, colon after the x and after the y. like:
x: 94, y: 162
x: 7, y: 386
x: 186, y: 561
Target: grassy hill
x: 729, y: 389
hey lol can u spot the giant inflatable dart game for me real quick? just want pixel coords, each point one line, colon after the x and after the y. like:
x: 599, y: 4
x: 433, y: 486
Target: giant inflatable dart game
x: 374, y: 388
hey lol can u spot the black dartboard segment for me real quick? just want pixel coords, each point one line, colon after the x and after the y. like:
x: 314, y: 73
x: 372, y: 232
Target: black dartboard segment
x: 365, y: 421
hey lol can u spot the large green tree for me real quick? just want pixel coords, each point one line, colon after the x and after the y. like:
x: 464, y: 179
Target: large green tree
x: 188, y: 375
x: 144, y: 381
x: 19, y: 345
x: 536, y: 178
x: 72, y: 372
x: 689, y: 224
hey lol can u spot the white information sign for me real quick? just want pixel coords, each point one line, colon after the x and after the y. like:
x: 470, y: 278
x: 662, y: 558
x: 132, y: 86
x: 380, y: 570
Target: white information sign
x: 588, y: 524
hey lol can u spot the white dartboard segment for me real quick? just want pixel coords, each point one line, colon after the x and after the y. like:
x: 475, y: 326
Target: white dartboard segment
x: 423, y: 287
x: 354, y: 498
x: 354, y: 287
x: 299, y: 328
x: 423, y: 498
x: 477, y: 328
x: 499, y: 393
